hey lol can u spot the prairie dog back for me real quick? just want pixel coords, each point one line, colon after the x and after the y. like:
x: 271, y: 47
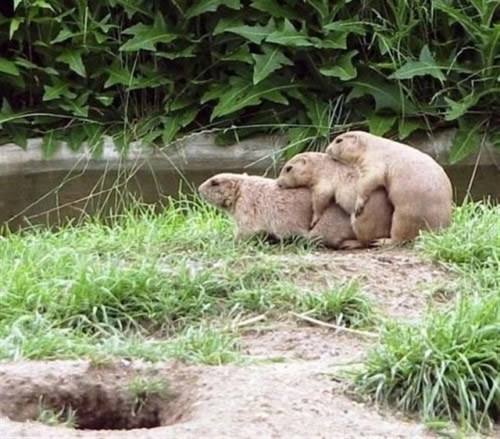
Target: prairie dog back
x: 258, y: 204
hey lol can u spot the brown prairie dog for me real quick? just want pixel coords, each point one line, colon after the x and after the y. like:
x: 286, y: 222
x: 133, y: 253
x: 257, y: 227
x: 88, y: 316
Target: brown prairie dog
x: 258, y: 205
x: 416, y: 184
x: 329, y: 179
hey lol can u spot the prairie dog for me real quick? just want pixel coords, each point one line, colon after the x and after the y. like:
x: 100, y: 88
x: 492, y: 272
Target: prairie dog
x: 258, y: 205
x: 416, y: 184
x: 329, y: 179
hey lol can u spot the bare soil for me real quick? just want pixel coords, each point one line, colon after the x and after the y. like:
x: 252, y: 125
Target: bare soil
x: 290, y: 387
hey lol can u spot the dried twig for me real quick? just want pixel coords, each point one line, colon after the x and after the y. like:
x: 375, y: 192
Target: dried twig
x: 332, y: 326
x: 249, y: 321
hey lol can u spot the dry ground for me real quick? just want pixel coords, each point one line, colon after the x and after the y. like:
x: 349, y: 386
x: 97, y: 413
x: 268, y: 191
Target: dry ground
x: 291, y: 386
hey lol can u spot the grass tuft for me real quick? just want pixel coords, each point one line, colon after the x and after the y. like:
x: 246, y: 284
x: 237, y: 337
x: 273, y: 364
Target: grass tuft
x: 447, y: 368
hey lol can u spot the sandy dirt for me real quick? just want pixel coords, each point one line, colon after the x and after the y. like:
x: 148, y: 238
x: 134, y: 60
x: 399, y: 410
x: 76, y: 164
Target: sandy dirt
x: 291, y: 385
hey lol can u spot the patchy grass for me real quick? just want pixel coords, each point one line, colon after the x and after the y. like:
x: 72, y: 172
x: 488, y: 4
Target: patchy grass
x: 150, y: 285
x: 447, y: 368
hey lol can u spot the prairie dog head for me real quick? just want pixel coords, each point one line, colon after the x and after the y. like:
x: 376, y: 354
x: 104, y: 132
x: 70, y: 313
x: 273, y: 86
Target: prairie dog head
x: 347, y: 147
x: 296, y: 172
x: 222, y: 190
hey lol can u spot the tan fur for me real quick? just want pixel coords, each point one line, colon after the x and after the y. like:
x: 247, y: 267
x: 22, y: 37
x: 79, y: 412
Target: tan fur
x: 331, y: 180
x: 258, y: 205
x: 417, y: 185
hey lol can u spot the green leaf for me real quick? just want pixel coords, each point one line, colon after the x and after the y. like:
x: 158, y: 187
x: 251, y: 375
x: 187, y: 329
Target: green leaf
x: 14, y: 26
x: 380, y: 124
x: 343, y: 69
x: 57, y: 90
x: 202, y: 6
x: 146, y: 37
x: 241, y: 94
x: 318, y: 112
x: 187, y: 52
x: 78, y: 106
x: 331, y: 41
x: 174, y: 123
x: 275, y: 9
x: 17, y: 3
x: 255, y: 34
x: 241, y: 54
x: 287, y: 35
x: 74, y: 60
x: 467, y: 140
x: 265, y: 64
x: 458, y: 109
x: 408, y: 126
x: 42, y: 4
x: 347, y: 26
x: 119, y: 75
x: 50, y: 144
x: 64, y: 34
x: 7, y: 66
x: 75, y: 137
x: 95, y: 140
x: 426, y: 65
x: 386, y: 94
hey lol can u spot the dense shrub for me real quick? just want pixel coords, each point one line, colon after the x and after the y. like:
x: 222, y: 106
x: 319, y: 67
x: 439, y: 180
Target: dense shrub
x: 157, y: 69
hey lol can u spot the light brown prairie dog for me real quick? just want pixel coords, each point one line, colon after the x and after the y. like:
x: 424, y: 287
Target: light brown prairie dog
x: 416, y: 184
x: 329, y: 179
x: 258, y: 205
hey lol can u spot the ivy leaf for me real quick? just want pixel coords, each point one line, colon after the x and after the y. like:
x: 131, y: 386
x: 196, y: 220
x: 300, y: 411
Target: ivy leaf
x: 57, y: 90
x: 458, y: 109
x: 352, y: 26
x: 408, y: 126
x: 74, y: 60
x: 275, y: 9
x: 241, y: 54
x: 289, y: 36
x: 174, y: 123
x: 119, y: 75
x: 331, y: 41
x: 380, y: 124
x: 50, y: 144
x: 318, y: 113
x: 426, y: 65
x: 272, y: 59
x: 7, y: 66
x: 255, y: 34
x: 64, y: 34
x: 343, y: 69
x: 15, y: 22
x: 203, y: 6
x: 75, y: 137
x: 466, y: 140
x: 241, y: 93
x: 95, y: 138
x: 386, y: 94
x: 77, y: 106
x: 146, y: 37
x: 187, y: 52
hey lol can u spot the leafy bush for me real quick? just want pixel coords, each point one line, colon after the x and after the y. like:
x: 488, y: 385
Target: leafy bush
x: 156, y: 70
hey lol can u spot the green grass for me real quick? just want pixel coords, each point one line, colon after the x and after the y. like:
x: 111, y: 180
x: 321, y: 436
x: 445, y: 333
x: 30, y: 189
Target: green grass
x: 447, y: 367
x: 151, y: 285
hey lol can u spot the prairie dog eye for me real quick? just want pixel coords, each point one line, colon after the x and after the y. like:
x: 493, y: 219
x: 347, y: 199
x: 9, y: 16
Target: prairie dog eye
x: 338, y: 140
x: 215, y: 183
x: 288, y: 168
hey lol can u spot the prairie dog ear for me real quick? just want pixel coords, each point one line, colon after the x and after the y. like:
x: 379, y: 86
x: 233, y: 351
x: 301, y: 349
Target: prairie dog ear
x: 245, y: 174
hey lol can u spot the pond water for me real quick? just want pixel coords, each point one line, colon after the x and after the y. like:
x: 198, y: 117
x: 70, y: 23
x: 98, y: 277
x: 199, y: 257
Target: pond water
x: 52, y: 198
